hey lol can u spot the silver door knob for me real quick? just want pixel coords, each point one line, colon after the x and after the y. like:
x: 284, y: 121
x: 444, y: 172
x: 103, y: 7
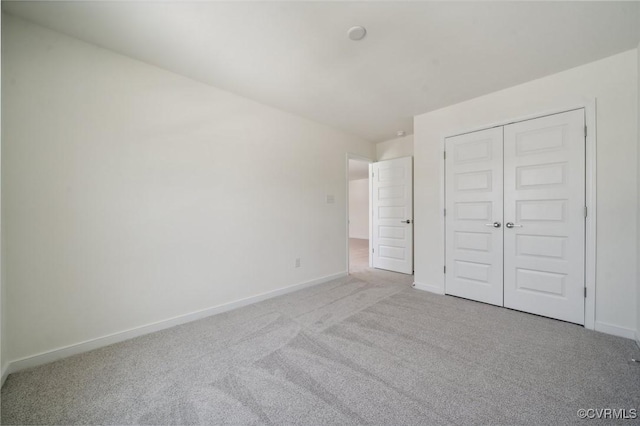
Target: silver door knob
x: 494, y: 224
x: 512, y: 225
x: 406, y: 221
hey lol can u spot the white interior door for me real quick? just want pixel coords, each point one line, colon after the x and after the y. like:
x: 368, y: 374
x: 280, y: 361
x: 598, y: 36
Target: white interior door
x: 392, y: 218
x: 474, y: 199
x: 544, y: 207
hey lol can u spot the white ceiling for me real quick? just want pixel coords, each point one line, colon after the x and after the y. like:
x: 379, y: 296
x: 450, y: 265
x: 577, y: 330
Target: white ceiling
x: 416, y: 57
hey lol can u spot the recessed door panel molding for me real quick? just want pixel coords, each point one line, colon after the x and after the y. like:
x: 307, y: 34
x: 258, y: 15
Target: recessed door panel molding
x: 474, y: 216
x: 515, y: 223
x: 473, y: 151
x: 473, y: 271
x: 392, y: 232
x: 540, y: 283
x: 392, y: 215
x: 476, y: 241
x: 544, y: 251
x: 477, y: 211
x: 542, y: 246
x: 480, y: 181
x: 389, y: 173
x: 538, y: 211
x: 539, y: 141
x: 392, y: 212
x: 389, y: 192
x: 537, y: 176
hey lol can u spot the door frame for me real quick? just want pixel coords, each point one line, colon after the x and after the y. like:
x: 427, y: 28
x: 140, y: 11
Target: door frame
x: 357, y: 157
x: 589, y: 107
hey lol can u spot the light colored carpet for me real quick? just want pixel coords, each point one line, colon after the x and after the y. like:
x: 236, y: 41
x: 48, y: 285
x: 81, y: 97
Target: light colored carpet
x: 363, y: 349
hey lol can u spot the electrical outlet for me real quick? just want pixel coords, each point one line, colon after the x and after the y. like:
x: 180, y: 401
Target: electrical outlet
x: 331, y: 199
x: 297, y: 262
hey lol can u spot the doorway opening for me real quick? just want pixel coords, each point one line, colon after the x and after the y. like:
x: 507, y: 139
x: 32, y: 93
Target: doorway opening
x: 358, y: 213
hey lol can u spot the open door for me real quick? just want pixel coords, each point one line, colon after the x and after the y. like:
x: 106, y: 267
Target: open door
x: 392, y: 215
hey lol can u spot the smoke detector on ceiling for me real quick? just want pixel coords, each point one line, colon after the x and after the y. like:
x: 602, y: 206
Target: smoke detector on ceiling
x: 357, y: 33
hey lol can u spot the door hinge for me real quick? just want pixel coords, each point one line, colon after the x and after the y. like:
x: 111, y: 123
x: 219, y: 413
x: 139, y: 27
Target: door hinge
x: 586, y: 212
x: 373, y: 250
x: 445, y: 155
x: 585, y: 292
x: 445, y: 269
x: 373, y: 174
x: 585, y: 131
x: 445, y: 212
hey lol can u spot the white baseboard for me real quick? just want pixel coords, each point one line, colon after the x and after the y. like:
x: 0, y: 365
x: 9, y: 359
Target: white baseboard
x: 638, y: 338
x: 615, y: 330
x: 428, y: 287
x: 56, y: 354
x: 5, y: 373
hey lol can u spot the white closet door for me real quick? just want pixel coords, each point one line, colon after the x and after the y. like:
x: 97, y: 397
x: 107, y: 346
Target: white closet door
x: 544, y: 211
x: 474, y: 216
x: 393, y: 215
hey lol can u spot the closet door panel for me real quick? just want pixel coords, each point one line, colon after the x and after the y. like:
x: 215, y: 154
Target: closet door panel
x: 544, y: 199
x: 474, y: 216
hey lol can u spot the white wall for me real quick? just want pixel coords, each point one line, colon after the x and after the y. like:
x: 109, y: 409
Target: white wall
x: 613, y: 81
x: 395, y: 148
x: 359, y: 209
x: 133, y: 195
